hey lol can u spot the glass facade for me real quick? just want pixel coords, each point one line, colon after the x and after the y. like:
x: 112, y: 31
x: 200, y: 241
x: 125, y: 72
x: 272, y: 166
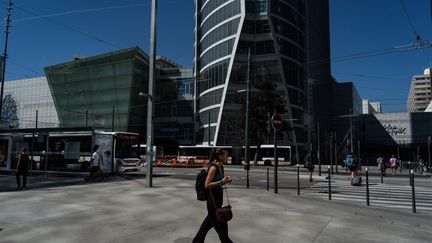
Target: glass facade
x: 274, y: 32
x: 94, y: 90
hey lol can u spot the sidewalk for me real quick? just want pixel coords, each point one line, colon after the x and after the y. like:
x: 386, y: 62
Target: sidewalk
x: 121, y: 210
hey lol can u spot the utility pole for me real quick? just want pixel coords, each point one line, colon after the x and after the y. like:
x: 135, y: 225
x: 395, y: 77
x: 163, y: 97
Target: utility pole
x: 318, y: 151
x: 152, y: 73
x: 208, y: 126
x: 351, y: 131
x: 331, y: 151
x: 247, y: 159
x: 3, y: 71
x: 335, y: 153
x: 429, y: 154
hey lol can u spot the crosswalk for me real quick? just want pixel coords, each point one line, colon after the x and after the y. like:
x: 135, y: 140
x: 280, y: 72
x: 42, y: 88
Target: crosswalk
x: 380, y: 195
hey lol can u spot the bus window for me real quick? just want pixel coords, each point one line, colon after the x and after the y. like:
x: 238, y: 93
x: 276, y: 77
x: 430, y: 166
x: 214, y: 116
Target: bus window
x: 126, y: 146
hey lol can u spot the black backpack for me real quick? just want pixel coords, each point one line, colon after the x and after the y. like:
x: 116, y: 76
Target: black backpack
x: 201, y: 191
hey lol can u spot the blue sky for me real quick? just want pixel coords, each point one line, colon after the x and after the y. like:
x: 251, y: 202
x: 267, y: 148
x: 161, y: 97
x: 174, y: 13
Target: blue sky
x: 87, y: 28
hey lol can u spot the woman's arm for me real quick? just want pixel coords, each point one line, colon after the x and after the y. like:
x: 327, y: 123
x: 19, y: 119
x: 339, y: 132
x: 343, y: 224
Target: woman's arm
x: 18, y: 163
x: 209, y: 183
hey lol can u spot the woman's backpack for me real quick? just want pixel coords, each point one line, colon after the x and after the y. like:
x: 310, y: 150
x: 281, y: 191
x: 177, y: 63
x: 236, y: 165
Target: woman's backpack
x: 201, y: 191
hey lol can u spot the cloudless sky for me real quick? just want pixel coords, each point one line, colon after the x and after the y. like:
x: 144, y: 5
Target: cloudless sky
x: 47, y: 32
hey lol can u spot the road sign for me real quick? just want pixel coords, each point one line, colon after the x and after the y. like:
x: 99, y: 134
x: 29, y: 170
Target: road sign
x: 277, y: 122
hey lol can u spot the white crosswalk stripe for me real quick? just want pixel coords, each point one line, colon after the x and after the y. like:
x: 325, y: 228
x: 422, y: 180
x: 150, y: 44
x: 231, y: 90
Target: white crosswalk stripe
x: 380, y: 195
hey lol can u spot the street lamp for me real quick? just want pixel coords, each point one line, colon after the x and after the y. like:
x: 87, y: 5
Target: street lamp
x: 429, y: 155
x: 152, y: 73
x: 246, y: 151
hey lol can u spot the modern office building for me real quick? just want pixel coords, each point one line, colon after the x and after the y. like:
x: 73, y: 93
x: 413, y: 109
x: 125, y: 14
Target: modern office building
x: 92, y: 91
x: 275, y: 33
x: 174, y: 124
x: 28, y: 100
x: 102, y: 91
x: 419, y: 95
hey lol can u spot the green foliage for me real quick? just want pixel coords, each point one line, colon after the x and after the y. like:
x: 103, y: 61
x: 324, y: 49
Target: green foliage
x: 262, y: 105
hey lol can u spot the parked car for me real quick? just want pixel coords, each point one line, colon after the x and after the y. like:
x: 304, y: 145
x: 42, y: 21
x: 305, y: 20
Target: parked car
x: 128, y: 164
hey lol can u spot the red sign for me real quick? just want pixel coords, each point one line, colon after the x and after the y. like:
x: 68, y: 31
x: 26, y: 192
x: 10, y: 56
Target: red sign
x: 277, y: 122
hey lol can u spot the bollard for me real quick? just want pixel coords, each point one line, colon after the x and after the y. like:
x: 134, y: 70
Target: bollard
x: 367, y: 186
x: 412, y: 191
x: 268, y: 178
x: 382, y: 180
x: 329, y: 184
x: 298, y: 179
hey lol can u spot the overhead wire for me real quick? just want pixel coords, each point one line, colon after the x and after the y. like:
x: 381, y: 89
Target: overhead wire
x: 417, y: 36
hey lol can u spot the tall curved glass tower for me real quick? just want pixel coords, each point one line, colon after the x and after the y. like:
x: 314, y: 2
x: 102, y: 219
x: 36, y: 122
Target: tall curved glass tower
x: 275, y: 32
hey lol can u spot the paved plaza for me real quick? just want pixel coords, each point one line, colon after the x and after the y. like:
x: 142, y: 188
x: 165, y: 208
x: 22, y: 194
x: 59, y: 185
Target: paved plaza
x: 122, y: 209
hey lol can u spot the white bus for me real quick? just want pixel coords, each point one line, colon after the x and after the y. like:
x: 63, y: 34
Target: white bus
x: 266, y: 154
x: 198, y: 154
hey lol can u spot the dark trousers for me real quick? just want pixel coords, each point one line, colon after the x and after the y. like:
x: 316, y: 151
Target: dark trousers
x: 24, y: 175
x: 208, y: 223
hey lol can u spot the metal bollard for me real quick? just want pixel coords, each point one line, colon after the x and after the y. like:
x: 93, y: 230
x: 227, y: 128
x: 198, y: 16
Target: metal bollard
x: 298, y: 179
x: 367, y: 186
x: 329, y: 184
x: 412, y: 191
x: 268, y: 179
x: 382, y: 180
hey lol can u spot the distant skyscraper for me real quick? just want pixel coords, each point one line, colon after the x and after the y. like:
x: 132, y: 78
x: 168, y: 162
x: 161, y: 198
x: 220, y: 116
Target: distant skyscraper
x: 419, y: 95
x: 276, y: 33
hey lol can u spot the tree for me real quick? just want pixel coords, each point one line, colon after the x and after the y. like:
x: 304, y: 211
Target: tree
x: 263, y: 104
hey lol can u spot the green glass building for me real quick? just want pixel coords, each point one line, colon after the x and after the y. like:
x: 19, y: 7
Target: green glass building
x: 95, y: 90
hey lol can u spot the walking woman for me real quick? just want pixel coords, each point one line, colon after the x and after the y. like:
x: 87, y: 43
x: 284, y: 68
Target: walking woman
x: 214, y: 183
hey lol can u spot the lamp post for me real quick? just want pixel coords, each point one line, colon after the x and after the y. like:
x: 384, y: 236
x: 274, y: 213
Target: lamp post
x: 247, y: 160
x: 429, y: 155
x: 152, y: 73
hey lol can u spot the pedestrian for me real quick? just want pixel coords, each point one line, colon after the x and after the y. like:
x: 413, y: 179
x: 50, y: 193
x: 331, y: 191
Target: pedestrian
x: 381, y: 165
x: 393, y: 164
x: 350, y: 162
x: 214, y: 183
x: 22, y: 169
x: 94, y: 164
x: 308, y: 164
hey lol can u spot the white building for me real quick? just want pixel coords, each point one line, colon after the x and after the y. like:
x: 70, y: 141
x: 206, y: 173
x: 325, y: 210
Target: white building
x: 22, y: 98
x: 419, y: 95
x: 371, y: 107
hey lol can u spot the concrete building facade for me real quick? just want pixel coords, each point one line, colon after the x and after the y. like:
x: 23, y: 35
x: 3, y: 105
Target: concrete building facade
x: 420, y: 95
x: 22, y: 98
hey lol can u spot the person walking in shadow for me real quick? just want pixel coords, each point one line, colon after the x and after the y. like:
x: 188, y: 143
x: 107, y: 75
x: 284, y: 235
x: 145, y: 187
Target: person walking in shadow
x: 22, y: 169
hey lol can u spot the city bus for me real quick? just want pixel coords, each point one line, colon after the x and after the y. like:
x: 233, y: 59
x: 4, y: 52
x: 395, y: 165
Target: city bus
x: 266, y: 154
x: 70, y: 149
x: 198, y: 154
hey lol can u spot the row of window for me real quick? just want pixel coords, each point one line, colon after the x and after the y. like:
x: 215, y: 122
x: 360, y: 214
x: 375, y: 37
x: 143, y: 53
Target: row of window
x: 256, y: 27
x: 185, y: 88
x: 289, y: 49
x: 216, y: 52
x: 294, y: 74
x: 213, y: 76
x: 257, y: 48
x: 210, y: 6
x: 209, y: 99
x: 256, y: 7
x: 285, y: 11
x: 289, y: 31
x: 223, y: 13
x: 223, y: 31
x: 204, y: 116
